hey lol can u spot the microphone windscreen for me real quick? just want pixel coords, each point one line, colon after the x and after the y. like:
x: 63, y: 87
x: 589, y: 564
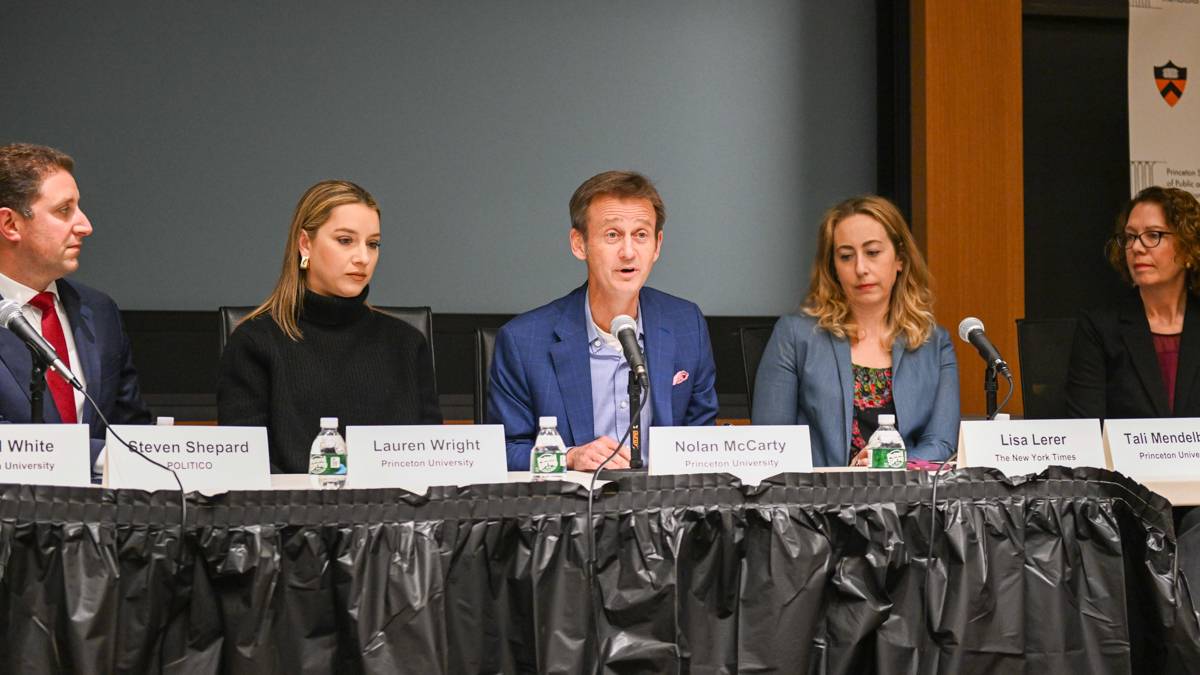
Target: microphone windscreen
x: 622, y: 322
x: 8, y: 310
x: 967, y: 326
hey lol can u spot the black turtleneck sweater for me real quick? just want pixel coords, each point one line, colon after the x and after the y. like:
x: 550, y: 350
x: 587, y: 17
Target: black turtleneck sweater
x: 354, y: 363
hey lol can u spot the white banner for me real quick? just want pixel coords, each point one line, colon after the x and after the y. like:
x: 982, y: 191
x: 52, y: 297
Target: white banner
x: 1164, y: 111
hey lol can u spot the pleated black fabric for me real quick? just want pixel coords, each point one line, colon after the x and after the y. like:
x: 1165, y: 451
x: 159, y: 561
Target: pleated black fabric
x: 1073, y: 571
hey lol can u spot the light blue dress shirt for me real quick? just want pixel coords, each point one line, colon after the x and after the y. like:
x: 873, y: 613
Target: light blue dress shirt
x: 610, y: 384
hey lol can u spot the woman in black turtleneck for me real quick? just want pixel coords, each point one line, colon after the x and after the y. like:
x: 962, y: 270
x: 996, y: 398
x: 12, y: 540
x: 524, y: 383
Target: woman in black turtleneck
x: 315, y: 348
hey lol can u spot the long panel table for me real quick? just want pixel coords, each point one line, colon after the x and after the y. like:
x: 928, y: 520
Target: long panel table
x: 1069, y: 571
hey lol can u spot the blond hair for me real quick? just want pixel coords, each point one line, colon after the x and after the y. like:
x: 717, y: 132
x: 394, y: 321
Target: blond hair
x: 910, y: 309
x: 312, y: 211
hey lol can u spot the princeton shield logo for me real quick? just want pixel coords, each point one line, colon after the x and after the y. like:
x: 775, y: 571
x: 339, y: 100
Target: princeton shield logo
x: 1171, y: 81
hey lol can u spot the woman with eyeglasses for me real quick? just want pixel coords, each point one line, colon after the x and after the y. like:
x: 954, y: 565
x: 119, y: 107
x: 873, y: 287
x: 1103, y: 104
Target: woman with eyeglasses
x: 1140, y: 357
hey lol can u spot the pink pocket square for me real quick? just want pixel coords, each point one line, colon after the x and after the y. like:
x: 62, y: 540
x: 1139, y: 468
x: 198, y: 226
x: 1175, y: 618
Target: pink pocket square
x: 680, y: 378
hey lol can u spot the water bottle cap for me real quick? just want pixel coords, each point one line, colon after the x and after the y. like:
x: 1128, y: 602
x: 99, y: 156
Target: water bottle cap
x: 887, y: 419
x: 165, y: 421
x: 329, y: 422
x: 548, y: 421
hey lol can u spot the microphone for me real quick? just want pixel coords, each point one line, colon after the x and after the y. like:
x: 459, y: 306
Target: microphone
x: 12, y: 319
x: 970, y: 330
x: 625, y: 328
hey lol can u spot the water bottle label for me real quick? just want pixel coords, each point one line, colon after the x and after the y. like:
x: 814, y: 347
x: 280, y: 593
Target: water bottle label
x: 326, y: 464
x: 548, y: 461
x: 888, y: 458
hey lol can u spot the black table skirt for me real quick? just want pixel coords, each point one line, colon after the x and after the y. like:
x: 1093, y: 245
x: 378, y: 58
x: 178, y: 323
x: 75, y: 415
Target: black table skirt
x: 1072, y: 571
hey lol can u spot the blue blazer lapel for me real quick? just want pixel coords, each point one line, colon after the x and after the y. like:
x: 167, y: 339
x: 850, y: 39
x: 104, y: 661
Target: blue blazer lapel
x: 900, y: 402
x: 573, y: 371
x: 660, y: 361
x: 84, y: 332
x: 845, y: 371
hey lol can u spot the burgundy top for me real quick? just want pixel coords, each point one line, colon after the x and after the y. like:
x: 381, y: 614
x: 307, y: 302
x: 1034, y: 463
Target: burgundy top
x: 1166, y: 347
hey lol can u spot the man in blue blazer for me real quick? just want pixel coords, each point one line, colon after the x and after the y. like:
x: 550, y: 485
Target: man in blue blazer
x: 560, y: 359
x: 41, y: 234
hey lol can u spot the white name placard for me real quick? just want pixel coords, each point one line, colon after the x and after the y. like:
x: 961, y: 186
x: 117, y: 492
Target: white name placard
x: 207, y: 459
x: 1154, y: 449
x: 418, y: 456
x: 751, y: 453
x: 45, y: 454
x: 1019, y: 447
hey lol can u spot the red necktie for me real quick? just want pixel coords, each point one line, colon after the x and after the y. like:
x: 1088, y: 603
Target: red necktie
x: 60, y: 389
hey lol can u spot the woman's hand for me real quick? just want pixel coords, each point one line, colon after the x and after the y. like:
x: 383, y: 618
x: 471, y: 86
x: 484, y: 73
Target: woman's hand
x: 863, y: 458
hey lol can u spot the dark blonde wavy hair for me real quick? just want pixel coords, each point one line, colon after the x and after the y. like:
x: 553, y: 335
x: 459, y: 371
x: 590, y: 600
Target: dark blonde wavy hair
x: 910, y: 309
x: 1182, y: 213
x: 312, y: 211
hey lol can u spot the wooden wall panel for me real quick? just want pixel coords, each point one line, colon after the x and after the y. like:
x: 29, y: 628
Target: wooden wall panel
x: 968, y: 204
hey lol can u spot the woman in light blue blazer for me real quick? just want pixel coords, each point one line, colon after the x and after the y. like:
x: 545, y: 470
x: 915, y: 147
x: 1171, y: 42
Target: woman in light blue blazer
x: 864, y: 343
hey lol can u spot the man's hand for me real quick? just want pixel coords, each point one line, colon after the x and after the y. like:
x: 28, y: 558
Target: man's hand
x: 588, y: 457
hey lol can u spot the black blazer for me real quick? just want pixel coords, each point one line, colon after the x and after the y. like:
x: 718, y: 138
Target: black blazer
x: 1114, y: 371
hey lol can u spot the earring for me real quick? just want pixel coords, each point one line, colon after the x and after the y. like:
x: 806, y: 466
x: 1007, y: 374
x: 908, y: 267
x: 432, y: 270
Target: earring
x: 303, y: 262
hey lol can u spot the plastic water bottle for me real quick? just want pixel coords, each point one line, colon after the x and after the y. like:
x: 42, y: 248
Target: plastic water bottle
x: 327, y: 457
x: 548, y: 458
x: 886, y: 445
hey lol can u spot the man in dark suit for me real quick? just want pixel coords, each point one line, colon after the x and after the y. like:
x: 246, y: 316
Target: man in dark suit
x: 560, y: 359
x: 41, y: 234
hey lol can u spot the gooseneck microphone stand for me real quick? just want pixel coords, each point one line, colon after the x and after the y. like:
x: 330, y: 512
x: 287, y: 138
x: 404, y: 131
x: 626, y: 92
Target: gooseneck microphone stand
x: 37, y: 387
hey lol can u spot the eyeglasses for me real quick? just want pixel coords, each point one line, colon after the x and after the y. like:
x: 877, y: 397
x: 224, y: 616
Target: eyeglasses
x: 1149, y: 238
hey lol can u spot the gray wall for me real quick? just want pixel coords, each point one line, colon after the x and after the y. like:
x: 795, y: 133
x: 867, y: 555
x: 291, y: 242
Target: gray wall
x: 197, y: 125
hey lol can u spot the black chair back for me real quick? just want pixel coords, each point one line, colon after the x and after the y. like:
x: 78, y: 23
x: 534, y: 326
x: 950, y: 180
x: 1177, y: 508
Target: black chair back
x: 1044, y: 348
x: 230, y: 318
x: 420, y: 318
x: 485, y: 345
x: 754, y: 341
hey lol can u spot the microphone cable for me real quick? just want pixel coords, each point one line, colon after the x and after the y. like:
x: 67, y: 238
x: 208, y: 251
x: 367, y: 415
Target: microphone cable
x: 929, y: 558
x: 148, y: 458
x: 591, y: 528
x: 1009, y: 378
x: 592, y: 482
x: 932, y: 539
x: 182, y: 494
